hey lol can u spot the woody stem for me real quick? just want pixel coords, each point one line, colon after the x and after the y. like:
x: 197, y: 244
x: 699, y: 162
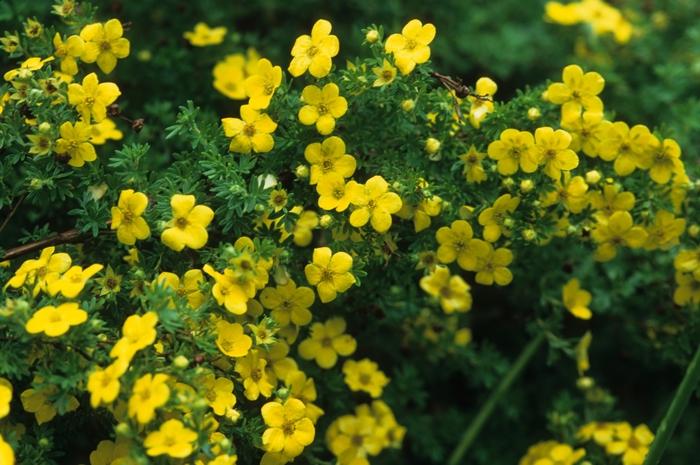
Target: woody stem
x: 673, y: 414
x: 494, y: 398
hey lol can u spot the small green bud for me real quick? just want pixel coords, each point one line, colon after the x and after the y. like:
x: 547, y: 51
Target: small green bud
x: 408, y: 105
x: 372, y: 36
x: 432, y: 145
x: 325, y: 221
x: 301, y: 171
x: 181, y: 361
x: 533, y: 113
x: 526, y: 185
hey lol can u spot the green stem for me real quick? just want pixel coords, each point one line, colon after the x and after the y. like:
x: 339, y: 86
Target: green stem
x: 673, y: 415
x: 494, y: 398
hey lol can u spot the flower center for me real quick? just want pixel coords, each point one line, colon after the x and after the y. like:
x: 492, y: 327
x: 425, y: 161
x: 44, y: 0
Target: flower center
x: 181, y: 222
x: 249, y: 130
x: 322, y: 109
x: 312, y: 51
x: 105, y: 46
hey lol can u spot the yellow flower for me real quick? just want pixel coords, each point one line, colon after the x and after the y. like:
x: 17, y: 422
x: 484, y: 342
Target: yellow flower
x: 494, y: 218
x: 329, y: 158
x: 252, y: 132
x: 289, y: 429
x: 203, y: 35
x: 227, y: 290
x: 552, y: 453
x: 219, y: 393
x: 72, y: 282
x: 366, y: 376
x: 323, y: 107
x: 138, y: 332
x: 261, y: 86
x: 103, y: 131
x: 631, y: 148
x: 515, y: 149
x: 630, y: 443
x: 103, y: 384
x: 127, y: 217
x: 303, y: 388
x: 615, y: 231
x: 68, y: 52
x: 570, y: 192
x: 75, y: 143
x: 231, y: 340
x: 172, y: 439
x: 26, y: 68
x: 373, y: 203
x: 288, y: 303
x: 7, y: 455
x: 665, y: 161
x: 327, y: 341
x: 56, y: 321
x: 354, y: 438
x: 687, y: 289
x: 576, y: 300
x: 582, y: 361
x: 492, y: 267
x: 452, y: 291
x: 330, y: 273
x: 456, y: 242
x: 611, y: 200
x: 104, y: 44
x: 187, y: 287
x: 385, y: 74
x: 587, y: 132
x: 230, y: 75
x: 334, y: 193
x: 36, y: 401
x: 473, y: 170
x: 314, y: 52
x: 92, y: 97
x: 108, y: 452
x: 5, y: 397
x: 554, y: 151
x: 257, y: 378
x: 41, y: 272
x: 411, y: 46
x: 421, y: 213
x: 482, y: 104
x: 665, y: 231
x: 149, y: 393
x: 577, y: 92
x: 188, y: 228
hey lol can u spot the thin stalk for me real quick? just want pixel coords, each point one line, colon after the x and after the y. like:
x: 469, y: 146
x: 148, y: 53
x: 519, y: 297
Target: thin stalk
x: 674, y: 412
x: 494, y: 398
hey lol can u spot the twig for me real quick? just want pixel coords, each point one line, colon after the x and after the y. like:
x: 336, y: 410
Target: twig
x: 66, y: 237
x: 12, y: 212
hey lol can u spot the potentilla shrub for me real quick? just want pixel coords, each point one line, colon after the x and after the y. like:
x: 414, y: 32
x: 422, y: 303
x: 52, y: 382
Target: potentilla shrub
x: 224, y: 297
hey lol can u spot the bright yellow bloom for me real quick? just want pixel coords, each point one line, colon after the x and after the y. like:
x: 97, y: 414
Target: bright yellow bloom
x: 576, y: 300
x: 188, y: 228
x: 172, y: 439
x: 56, y: 321
x: 632, y: 444
x: 665, y: 161
x: 457, y: 242
x: 554, y: 152
x: 617, y: 230
x: 261, y: 86
x: 334, y: 193
x: 329, y: 158
x: 421, y: 213
x: 231, y: 340
x: 482, y: 104
x: 92, y: 97
x: 493, y: 218
x: 687, y: 289
x: 587, y: 132
x: 187, y: 287
x: 250, y: 132
x: 492, y: 267
x: 665, y: 231
x: 327, y: 341
x: 303, y: 388
x: 410, y: 48
x: 227, y: 290
x: 257, y: 378
x: 103, y: 131
x: 374, y: 204
x: 230, y: 75
x: 515, y: 149
x: 631, y: 148
x: 289, y: 303
x: 108, y: 452
x: 68, y: 52
x: 42, y: 271
x: 104, y: 44
x: 36, y: 401
x: 473, y: 170
x: 138, y: 332
x: 314, y: 52
x: 72, y: 282
x: 289, y: 429
x: 569, y: 192
x: 203, y: 35
x: 385, y: 74
x: 218, y: 392
x: 103, y: 384
x: 322, y: 107
x: 552, y: 453
x: 75, y: 143
x: 5, y: 397
x: 577, y: 92
x: 7, y: 455
x: 127, y: 217
x: 354, y: 438
x: 149, y: 393
x: 611, y: 200
x: 365, y: 375
x: 26, y: 68
x: 330, y: 273
x: 452, y: 291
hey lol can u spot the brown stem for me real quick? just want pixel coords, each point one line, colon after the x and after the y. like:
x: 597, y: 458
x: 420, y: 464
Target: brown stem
x: 12, y: 213
x: 65, y: 237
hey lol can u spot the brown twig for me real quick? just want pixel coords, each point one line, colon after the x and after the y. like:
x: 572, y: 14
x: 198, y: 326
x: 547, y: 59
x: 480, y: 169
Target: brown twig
x: 12, y: 212
x: 65, y: 237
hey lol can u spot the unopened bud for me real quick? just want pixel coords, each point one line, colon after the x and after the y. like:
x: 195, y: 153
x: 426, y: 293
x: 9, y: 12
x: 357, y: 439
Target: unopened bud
x: 408, y: 105
x: 526, y: 185
x: 372, y: 36
x: 593, y: 177
x: 432, y: 145
x: 533, y: 113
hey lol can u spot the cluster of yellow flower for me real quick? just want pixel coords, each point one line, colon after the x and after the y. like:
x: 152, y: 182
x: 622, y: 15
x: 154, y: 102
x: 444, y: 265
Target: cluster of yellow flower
x: 687, y: 265
x: 602, y: 17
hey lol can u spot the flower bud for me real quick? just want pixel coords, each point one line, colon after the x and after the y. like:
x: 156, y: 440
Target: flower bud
x: 180, y: 361
x: 693, y: 230
x: 301, y: 171
x: 432, y: 145
x: 122, y: 429
x: 372, y: 36
x: 533, y: 113
x: 44, y: 127
x: 508, y: 183
x: 526, y: 185
x: 529, y: 234
x: 325, y: 221
x: 408, y: 105
x: 466, y: 212
x: 585, y: 383
x: 593, y: 177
